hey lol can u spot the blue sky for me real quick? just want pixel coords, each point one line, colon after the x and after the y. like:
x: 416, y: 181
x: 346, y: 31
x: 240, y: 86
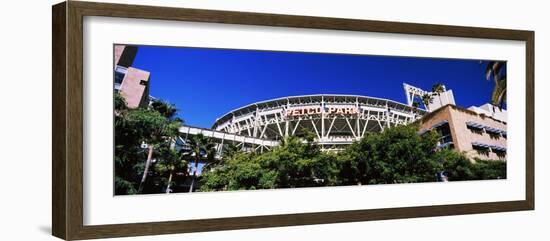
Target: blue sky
x: 204, y: 84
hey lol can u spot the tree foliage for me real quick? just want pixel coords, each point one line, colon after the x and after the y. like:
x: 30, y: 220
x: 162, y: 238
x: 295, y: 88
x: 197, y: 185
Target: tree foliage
x: 170, y: 161
x: 295, y: 163
x: 133, y: 129
x: 459, y: 168
x: 397, y: 155
x: 202, y: 149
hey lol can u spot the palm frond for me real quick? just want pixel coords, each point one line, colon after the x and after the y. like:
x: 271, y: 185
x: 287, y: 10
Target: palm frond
x: 438, y: 88
x: 499, y: 93
x: 494, y: 68
x: 489, y: 69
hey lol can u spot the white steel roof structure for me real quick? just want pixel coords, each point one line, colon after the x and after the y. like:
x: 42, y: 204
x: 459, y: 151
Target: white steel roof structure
x: 334, y: 119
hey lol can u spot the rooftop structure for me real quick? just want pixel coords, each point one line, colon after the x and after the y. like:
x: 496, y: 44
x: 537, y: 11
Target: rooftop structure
x: 437, y: 100
x: 491, y: 111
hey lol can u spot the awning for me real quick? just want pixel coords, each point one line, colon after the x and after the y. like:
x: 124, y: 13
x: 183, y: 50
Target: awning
x: 487, y: 146
x: 474, y: 125
x: 498, y: 148
x: 487, y: 128
x: 493, y: 130
x: 480, y: 145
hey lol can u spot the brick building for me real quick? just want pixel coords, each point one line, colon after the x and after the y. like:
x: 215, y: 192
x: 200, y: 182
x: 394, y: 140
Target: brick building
x: 131, y: 83
x: 475, y: 133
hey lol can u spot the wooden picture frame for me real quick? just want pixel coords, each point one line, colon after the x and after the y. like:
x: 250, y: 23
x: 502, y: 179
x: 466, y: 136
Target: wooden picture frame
x: 67, y: 152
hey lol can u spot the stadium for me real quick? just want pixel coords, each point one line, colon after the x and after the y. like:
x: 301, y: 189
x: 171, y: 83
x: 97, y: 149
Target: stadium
x: 336, y: 120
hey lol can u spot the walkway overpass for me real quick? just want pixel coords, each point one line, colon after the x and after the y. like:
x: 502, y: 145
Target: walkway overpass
x: 221, y: 138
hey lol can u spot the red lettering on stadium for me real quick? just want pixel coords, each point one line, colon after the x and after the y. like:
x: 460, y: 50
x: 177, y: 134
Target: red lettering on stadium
x: 308, y: 111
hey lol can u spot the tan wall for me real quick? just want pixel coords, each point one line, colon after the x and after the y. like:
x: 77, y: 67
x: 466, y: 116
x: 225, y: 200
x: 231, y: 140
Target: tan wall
x: 466, y: 136
x: 118, y: 52
x: 462, y: 135
x: 132, y: 90
x: 438, y: 117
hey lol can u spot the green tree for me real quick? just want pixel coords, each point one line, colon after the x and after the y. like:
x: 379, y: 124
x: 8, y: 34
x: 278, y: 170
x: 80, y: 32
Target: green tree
x: 202, y: 149
x: 135, y: 128
x: 459, y: 167
x: 127, y: 151
x: 170, y: 162
x: 489, y: 169
x: 300, y: 163
x: 297, y: 162
x: 427, y: 99
x: 120, y: 104
x: 166, y: 109
x: 456, y: 165
x: 230, y: 150
x: 153, y: 129
x: 241, y: 172
x: 397, y: 155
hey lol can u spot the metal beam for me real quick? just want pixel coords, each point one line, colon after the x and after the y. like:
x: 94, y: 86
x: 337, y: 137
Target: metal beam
x: 315, y: 128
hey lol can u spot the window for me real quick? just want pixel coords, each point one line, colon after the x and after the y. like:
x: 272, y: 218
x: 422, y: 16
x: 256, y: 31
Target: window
x: 444, y: 130
x: 120, y: 72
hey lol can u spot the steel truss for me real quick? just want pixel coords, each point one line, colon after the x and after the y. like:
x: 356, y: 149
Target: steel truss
x: 270, y: 120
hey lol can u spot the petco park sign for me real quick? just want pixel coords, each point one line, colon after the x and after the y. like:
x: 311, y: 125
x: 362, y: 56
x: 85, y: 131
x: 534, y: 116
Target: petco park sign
x: 308, y: 111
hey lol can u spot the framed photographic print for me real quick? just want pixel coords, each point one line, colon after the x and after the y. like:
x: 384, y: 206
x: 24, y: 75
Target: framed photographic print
x: 170, y: 120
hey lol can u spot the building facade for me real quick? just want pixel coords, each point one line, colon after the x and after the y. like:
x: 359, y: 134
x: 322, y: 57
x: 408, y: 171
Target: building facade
x: 131, y: 83
x: 474, y: 133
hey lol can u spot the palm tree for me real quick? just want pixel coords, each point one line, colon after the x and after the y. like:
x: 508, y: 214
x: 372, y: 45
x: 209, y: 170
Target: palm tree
x: 159, y: 125
x: 165, y: 109
x: 171, y: 162
x: 437, y: 89
x: 497, y: 70
x: 230, y: 150
x: 156, y: 131
x: 427, y: 99
x: 211, y: 160
x: 201, y: 149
